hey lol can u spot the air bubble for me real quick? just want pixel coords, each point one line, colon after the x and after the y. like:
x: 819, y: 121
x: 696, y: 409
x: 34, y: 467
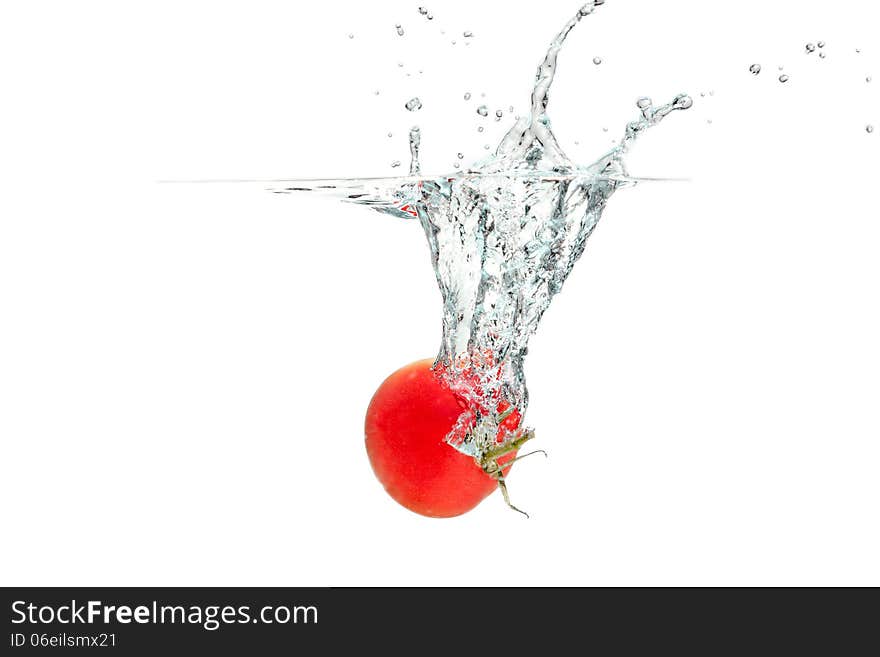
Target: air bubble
x: 754, y: 69
x: 423, y: 11
x: 350, y: 35
x: 480, y: 129
x: 499, y: 113
x: 399, y: 30
x: 810, y: 47
x: 467, y: 96
x: 395, y: 164
x: 821, y: 44
x: 869, y: 128
x: 821, y: 55
x: 413, y: 104
x: 468, y: 34
x: 460, y: 156
x: 482, y: 110
x: 783, y: 78
x: 597, y: 60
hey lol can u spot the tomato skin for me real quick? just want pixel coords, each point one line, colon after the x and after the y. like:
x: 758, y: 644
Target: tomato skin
x: 407, y: 421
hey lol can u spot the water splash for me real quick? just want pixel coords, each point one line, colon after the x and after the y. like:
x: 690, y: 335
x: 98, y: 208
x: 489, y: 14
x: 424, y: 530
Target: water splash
x: 504, y: 235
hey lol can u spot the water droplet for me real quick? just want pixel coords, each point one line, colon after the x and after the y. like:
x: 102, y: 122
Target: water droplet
x: 712, y: 92
x: 399, y: 30
x: 810, y: 47
x: 709, y: 121
x: 821, y: 55
x: 460, y: 156
x: 780, y: 67
x: 604, y: 129
x: 482, y: 110
x: 413, y: 104
x: 869, y: 128
x: 390, y: 134
x: 783, y: 78
x: 400, y: 64
x: 597, y: 60
x: 868, y: 79
x: 350, y: 35
x: 858, y: 51
x: 480, y: 129
x: 467, y: 96
x: 468, y: 34
x: 376, y: 93
x: 821, y: 44
x: 510, y: 109
x: 395, y: 164
x: 702, y: 94
x: 754, y: 69
x: 683, y: 102
x: 453, y: 42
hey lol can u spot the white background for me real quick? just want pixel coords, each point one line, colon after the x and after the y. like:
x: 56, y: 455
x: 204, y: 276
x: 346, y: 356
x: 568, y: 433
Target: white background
x: 184, y: 368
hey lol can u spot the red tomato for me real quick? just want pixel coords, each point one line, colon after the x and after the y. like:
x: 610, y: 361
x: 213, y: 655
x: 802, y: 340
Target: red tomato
x: 407, y: 421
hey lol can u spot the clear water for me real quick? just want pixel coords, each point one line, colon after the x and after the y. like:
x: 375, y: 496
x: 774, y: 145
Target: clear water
x: 504, y: 235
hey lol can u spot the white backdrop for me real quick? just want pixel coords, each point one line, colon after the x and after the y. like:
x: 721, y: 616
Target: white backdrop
x: 184, y: 368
